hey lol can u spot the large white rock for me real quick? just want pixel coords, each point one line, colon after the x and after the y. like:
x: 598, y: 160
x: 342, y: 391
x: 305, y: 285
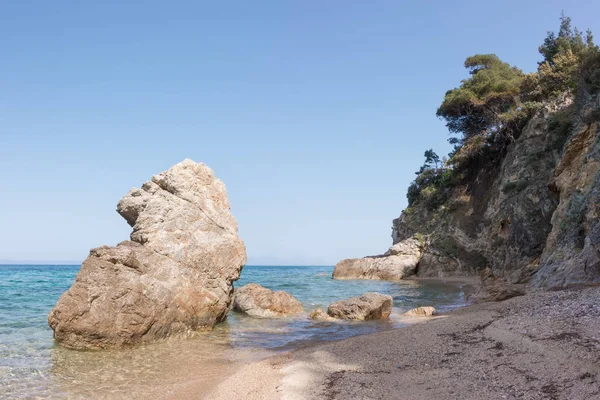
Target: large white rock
x: 174, y: 277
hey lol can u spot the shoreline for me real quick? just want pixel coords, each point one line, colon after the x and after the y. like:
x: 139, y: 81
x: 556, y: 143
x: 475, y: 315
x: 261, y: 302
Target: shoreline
x: 474, y: 280
x: 199, y: 387
x: 544, y: 345
x: 244, y: 377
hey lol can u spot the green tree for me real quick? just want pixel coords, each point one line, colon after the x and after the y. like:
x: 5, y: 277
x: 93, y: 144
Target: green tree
x: 490, y: 108
x: 432, y: 161
x: 563, y: 53
x: 567, y: 40
x: 482, y: 103
x: 430, y: 181
x: 431, y: 158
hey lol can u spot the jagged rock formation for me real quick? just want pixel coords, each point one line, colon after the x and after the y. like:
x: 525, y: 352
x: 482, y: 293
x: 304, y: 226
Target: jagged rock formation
x: 533, y: 217
x: 362, y: 308
x: 258, y: 301
x: 399, y: 261
x: 175, y: 275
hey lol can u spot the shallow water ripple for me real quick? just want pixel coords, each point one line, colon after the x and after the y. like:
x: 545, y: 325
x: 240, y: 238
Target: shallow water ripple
x: 33, y: 366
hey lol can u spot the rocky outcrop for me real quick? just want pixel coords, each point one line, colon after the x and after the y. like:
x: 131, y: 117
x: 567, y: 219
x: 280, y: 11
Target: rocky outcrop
x: 532, y: 215
x: 571, y: 255
x: 420, y: 312
x: 495, y: 289
x: 498, y: 292
x: 398, y: 262
x: 362, y: 308
x: 258, y: 301
x: 172, y: 278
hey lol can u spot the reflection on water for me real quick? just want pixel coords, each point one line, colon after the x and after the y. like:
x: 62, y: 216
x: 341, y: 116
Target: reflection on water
x: 31, y: 365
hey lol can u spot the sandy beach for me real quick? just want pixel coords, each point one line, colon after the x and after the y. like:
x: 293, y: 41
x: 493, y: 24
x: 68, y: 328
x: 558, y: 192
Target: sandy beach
x: 540, y: 346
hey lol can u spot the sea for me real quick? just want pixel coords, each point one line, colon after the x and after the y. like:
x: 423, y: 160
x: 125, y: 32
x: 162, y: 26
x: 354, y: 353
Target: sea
x: 33, y: 366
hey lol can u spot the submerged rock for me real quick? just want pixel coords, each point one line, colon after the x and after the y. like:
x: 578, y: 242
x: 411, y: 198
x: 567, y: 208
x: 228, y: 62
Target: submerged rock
x: 175, y: 275
x: 398, y: 262
x: 420, y: 312
x: 258, y: 301
x: 362, y: 308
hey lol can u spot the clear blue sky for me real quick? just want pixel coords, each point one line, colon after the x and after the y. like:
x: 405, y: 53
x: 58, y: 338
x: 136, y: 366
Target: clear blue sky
x: 315, y: 114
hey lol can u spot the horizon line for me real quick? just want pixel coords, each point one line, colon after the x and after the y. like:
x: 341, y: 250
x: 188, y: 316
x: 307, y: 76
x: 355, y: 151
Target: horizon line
x: 72, y: 263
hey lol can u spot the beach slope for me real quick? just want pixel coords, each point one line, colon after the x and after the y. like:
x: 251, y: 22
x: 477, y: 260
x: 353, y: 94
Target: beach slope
x: 540, y: 346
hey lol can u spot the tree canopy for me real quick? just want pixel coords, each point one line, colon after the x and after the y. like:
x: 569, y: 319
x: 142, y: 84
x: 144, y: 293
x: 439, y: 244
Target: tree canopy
x: 567, y: 40
x: 480, y: 104
x: 489, y: 109
x: 564, y: 54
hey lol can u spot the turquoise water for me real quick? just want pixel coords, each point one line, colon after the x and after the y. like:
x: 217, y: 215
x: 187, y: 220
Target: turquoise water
x: 32, y: 365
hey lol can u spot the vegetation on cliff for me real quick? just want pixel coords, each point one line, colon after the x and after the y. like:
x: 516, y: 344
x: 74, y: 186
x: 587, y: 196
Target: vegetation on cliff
x: 520, y: 192
x: 489, y: 110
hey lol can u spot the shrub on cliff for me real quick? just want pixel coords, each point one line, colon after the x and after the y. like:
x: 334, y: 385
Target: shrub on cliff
x: 488, y: 111
x: 587, y: 79
x: 485, y: 112
x: 431, y: 186
x: 490, y: 108
x: 567, y: 58
x: 567, y: 40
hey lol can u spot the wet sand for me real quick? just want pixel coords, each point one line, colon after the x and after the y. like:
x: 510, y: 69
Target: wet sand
x: 174, y: 369
x: 540, y: 346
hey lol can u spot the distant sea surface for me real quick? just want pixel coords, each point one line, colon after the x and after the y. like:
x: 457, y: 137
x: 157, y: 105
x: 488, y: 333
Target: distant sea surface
x: 33, y: 366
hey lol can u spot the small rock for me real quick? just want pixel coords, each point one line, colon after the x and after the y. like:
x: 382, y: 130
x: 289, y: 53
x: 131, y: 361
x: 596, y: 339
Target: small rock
x: 320, y: 315
x: 362, y: 308
x: 258, y: 301
x: 420, y: 312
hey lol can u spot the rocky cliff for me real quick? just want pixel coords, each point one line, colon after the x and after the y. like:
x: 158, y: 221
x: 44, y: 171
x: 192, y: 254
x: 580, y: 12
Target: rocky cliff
x: 531, y: 217
x: 174, y: 276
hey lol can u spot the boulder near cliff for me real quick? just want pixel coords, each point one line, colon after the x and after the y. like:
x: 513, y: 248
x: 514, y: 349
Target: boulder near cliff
x: 174, y: 277
x: 365, y: 307
x: 400, y: 261
x: 258, y: 301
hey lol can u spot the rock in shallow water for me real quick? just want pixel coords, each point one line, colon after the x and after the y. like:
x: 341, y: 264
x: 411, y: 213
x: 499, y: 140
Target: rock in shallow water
x: 258, y: 301
x: 362, y: 308
x: 320, y: 315
x: 420, y: 312
x: 398, y: 262
x: 174, y: 277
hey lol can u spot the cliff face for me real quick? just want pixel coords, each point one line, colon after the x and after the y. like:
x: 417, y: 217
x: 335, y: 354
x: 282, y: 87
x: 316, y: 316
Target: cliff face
x: 533, y: 217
